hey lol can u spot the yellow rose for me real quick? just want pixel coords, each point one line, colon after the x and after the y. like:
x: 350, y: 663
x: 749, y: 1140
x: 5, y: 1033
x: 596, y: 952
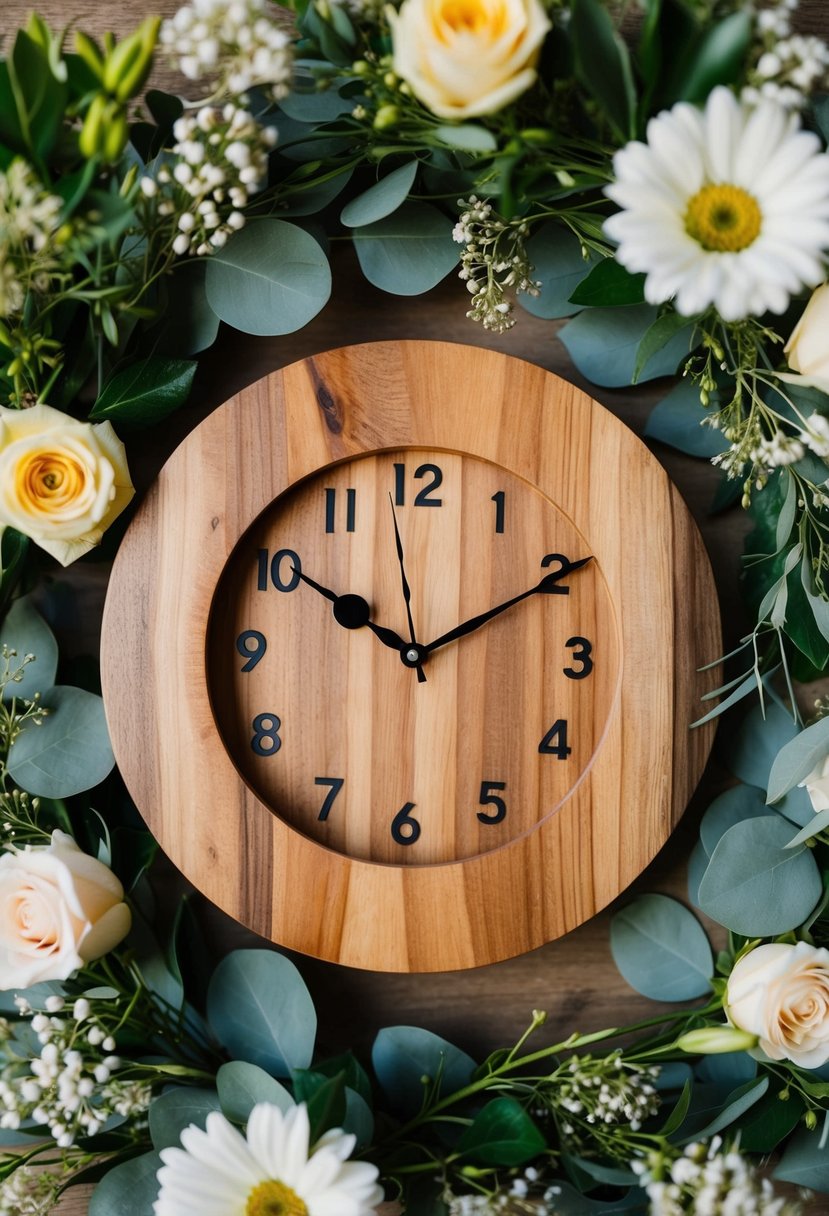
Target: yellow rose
x: 62, y: 482
x: 808, y: 347
x: 780, y: 993
x: 59, y: 909
x: 462, y: 58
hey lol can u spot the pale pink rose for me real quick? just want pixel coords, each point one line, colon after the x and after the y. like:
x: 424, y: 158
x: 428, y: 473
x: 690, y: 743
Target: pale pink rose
x: 780, y: 993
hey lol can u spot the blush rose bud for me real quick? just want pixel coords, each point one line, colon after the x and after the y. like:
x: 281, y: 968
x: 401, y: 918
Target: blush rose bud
x: 716, y: 1040
x: 808, y: 347
x: 780, y: 993
x: 59, y: 909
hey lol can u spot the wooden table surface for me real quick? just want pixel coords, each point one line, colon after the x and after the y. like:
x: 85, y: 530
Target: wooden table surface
x: 574, y: 979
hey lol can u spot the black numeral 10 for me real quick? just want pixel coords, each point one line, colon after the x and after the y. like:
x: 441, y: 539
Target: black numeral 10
x: 283, y: 568
x: 424, y: 497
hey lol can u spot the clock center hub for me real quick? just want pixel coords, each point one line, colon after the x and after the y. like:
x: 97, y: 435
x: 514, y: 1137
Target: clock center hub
x: 351, y: 611
x: 413, y: 656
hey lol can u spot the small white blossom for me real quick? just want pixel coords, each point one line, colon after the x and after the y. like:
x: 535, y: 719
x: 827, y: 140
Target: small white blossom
x: 709, y: 1180
x: 236, y: 46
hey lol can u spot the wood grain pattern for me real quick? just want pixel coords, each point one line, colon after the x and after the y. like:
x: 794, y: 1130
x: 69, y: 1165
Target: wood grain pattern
x: 448, y: 904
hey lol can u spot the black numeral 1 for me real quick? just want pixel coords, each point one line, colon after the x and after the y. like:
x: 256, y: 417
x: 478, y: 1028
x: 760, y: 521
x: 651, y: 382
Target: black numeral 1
x: 554, y: 742
x: 582, y: 650
x: 331, y: 506
x: 487, y: 798
x: 252, y: 653
x: 336, y: 784
x: 284, y: 560
x: 498, y: 499
x: 403, y: 819
x: 423, y: 498
x: 266, y: 727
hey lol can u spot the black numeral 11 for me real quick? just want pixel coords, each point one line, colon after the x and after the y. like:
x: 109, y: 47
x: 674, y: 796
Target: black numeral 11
x: 331, y: 508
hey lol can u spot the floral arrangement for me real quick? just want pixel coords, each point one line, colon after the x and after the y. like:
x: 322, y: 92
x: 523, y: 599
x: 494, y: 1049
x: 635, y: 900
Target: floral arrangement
x: 664, y: 185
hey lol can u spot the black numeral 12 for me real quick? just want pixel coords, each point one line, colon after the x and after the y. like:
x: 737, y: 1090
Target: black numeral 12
x: 423, y: 498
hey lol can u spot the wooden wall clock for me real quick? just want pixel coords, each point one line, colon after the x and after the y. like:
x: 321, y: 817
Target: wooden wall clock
x: 400, y: 654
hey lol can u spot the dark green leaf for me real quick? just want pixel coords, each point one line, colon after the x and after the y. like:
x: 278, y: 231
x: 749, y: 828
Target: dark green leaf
x: 769, y: 1122
x: 718, y: 58
x: 355, y: 1075
x: 324, y: 1097
x: 145, y: 392
x: 603, y: 344
x: 806, y: 1160
x: 738, y: 1101
x: 559, y: 266
x: 13, y: 549
x: 609, y: 285
x: 502, y: 1134
x: 43, y: 97
x: 189, y: 325
x: 657, y: 338
x: 603, y: 64
x: 677, y: 1116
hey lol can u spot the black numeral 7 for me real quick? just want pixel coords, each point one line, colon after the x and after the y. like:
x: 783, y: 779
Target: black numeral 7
x: 336, y: 784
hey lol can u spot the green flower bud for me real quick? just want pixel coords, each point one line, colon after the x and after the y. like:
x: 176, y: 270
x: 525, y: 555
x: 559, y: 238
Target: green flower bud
x: 385, y: 117
x: 716, y: 1040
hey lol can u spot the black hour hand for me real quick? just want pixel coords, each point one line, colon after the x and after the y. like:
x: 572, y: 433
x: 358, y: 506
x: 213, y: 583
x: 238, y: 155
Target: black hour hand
x: 352, y: 612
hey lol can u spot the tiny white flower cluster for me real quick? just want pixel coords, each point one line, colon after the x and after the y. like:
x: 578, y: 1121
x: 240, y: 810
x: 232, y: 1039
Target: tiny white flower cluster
x: 29, y: 218
x: 493, y: 262
x: 815, y: 435
x: 607, y: 1090
x: 69, y: 1087
x: 788, y: 66
x: 709, y: 1180
x: 220, y: 160
x: 30, y: 1192
x: 238, y: 41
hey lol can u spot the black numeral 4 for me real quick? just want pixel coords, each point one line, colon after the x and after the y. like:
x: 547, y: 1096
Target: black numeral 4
x: 554, y: 742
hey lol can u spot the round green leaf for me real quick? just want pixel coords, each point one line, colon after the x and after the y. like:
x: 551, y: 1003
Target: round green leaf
x: 261, y: 1011
x: 741, y: 802
x: 558, y: 265
x: 409, y: 252
x: 381, y: 199
x: 70, y: 752
x: 403, y: 1055
x: 130, y: 1189
x: 467, y: 137
x: 661, y: 949
x: 765, y: 730
x: 25, y: 631
x: 604, y: 343
x: 270, y: 278
x: 176, y: 1109
x: 805, y: 1161
x: 697, y: 865
x: 241, y: 1086
x: 754, y: 884
x: 677, y: 420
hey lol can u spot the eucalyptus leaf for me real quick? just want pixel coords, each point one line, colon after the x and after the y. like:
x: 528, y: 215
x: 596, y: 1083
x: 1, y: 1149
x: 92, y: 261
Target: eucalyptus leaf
x: 502, y: 1133
x: 764, y: 732
x: 559, y: 266
x: 261, y: 1011
x: 697, y: 865
x: 466, y: 137
x: 176, y: 1109
x: 677, y: 1116
x: 739, y: 803
x: 737, y: 1103
x: 189, y: 325
x: 145, y: 392
x: 359, y: 1119
x: 381, y: 199
x: 25, y: 631
x: 407, y: 253
x: 798, y: 758
x: 315, y: 198
x: 609, y: 285
x: 732, y: 1068
x: 603, y: 343
x: 755, y: 885
x: 270, y: 278
x: 678, y: 421
x: 787, y: 514
x: 819, y: 824
x: 130, y: 1189
x: 69, y: 752
x: 316, y: 107
x: 403, y: 1055
x: 661, y: 949
x: 805, y: 1161
x: 240, y: 1086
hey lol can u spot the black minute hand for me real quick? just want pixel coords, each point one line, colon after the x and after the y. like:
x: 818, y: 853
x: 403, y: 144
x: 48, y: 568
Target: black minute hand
x: 546, y: 584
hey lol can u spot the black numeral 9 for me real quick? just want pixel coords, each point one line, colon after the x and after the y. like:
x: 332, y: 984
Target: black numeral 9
x: 251, y: 646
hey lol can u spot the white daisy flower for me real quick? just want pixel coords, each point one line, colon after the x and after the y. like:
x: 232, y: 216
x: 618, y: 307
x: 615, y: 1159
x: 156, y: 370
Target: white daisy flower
x: 272, y: 1172
x: 726, y: 206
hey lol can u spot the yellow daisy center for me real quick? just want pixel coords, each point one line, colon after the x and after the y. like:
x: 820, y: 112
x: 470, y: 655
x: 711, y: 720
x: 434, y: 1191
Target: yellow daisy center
x: 723, y: 218
x: 274, y: 1198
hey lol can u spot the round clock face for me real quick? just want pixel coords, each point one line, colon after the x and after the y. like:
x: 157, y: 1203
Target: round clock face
x: 423, y: 740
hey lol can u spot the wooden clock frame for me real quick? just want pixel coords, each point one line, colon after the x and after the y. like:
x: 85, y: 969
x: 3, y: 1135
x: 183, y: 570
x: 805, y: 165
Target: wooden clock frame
x: 236, y: 849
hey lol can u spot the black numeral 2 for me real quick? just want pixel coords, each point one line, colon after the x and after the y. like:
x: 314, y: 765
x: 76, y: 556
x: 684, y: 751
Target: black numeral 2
x: 423, y: 497
x: 336, y: 784
x: 581, y: 654
x: 554, y: 742
x: 487, y: 798
x: 331, y: 509
x: 284, y: 561
x: 403, y: 819
x: 266, y: 728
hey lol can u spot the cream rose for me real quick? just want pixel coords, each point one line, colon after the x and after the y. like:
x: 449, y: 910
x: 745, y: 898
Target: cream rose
x: 62, y: 482
x: 817, y: 785
x: 808, y: 347
x: 462, y: 58
x: 59, y: 909
x: 780, y: 993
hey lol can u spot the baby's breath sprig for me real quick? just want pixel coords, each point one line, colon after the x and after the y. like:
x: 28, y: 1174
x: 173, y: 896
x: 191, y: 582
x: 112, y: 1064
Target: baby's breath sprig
x: 493, y: 263
x: 16, y: 713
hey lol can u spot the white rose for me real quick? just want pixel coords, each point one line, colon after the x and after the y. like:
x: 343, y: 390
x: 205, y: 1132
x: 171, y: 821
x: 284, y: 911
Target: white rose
x: 59, y: 909
x: 817, y: 785
x: 62, y: 482
x: 463, y: 58
x: 808, y: 347
x: 780, y: 993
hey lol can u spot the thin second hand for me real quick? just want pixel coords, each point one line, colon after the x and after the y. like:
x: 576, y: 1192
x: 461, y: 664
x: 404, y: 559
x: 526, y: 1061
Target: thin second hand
x: 407, y: 593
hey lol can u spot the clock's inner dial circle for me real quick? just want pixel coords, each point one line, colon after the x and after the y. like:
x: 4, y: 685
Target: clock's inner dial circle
x: 424, y: 749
